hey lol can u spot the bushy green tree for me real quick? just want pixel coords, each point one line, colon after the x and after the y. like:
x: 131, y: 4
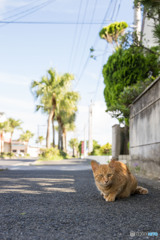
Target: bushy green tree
x: 124, y: 68
x: 106, y: 149
x: 51, y: 154
x: 96, y: 148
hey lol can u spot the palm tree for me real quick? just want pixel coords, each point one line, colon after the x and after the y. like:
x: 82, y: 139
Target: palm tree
x: 40, y: 139
x: 48, y: 90
x: 70, y: 126
x: 26, y: 136
x: 73, y: 143
x: 12, y: 125
x: 66, y: 113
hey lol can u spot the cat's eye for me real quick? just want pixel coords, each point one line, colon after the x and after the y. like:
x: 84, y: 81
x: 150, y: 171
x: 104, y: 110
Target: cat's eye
x: 109, y: 175
x: 100, y: 175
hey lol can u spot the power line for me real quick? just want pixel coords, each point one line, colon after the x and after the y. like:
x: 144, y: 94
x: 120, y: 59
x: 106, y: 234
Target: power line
x: 87, y: 36
x: 86, y: 62
x: 75, y: 34
x: 22, y: 7
x: 118, y: 9
x: 99, y: 78
x: 80, y: 32
x: 114, y: 8
x: 52, y: 23
x: 28, y: 12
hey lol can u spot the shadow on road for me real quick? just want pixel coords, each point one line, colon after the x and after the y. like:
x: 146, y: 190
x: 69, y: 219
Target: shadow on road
x: 66, y: 205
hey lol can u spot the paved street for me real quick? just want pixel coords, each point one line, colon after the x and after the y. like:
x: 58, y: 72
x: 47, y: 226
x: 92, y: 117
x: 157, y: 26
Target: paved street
x: 32, y: 164
x: 65, y: 205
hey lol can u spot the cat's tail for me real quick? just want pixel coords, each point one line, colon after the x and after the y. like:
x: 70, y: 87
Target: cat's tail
x: 141, y: 190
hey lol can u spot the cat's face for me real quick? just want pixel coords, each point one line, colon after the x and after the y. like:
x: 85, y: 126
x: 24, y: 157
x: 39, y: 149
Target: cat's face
x: 103, y: 174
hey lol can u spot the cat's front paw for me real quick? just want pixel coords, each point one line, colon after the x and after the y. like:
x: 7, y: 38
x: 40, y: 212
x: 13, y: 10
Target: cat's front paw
x: 109, y: 198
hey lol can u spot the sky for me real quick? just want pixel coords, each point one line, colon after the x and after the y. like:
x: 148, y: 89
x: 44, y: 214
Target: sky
x: 57, y: 34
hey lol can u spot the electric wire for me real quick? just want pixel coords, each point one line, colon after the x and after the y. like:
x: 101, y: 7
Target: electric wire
x: 118, y: 9
x: 75, y: 35
x: 25, y: 11
x: 111, y: 19
x: 98, y: 83
x: 19, y: 8
x: 86, y: 62
x: 52, y: 22
x: 100, y: 74
x: 114, y: 8
x: 80, y: 33
x: 30, y: 11
x: 88, y: 33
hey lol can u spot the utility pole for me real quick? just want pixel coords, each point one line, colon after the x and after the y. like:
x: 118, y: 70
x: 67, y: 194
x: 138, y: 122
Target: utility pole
x: 90, y: 140
x: 84, y: 141
x: 137, y: 20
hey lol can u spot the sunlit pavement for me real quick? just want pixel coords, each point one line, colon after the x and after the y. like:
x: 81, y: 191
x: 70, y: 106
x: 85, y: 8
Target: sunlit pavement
x: 33, y: 164
x: 65, y: 205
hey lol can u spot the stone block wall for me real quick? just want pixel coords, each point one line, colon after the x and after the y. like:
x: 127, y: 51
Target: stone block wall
x: 145, y: 131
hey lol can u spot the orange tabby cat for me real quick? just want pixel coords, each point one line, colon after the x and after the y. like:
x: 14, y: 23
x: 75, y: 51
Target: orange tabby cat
x: 114, y: 180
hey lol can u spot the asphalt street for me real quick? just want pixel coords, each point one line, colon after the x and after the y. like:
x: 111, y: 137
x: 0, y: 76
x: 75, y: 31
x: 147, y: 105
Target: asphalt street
x: 65, y: 205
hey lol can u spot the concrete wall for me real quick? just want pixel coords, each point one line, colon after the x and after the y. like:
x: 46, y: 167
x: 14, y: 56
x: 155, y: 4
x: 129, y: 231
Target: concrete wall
x: 106, y: 159
x: 116, y: 146
x: 145, y: 131
x: 148, y: 38
x: 120, y: 139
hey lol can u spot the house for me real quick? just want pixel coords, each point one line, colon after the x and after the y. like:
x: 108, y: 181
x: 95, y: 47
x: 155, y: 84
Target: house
x: 19, y: 148
x: 22, y: 148
x: 5, y: 137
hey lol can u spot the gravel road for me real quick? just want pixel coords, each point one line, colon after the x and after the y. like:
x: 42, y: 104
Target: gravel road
x: 65, y: 205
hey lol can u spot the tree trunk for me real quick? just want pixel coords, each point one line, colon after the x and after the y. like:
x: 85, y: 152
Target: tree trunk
x: 50, y: 117
x: 53, y: 129
x: 64, y: 140
x: 61, y: 139
x: 60, y: 134
x: 11, y: 143
x: 51, y: 114
x: 73, y: 151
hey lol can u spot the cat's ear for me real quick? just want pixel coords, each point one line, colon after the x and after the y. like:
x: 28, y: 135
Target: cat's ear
x: 94, y: 165
x: 112, y: 163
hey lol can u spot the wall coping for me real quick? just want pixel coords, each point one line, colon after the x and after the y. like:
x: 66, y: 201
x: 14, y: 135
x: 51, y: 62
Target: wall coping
x: 146, y: 90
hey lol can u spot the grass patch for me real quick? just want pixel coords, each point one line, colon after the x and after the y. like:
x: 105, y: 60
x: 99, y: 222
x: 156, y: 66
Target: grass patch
x: 52, y: 154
